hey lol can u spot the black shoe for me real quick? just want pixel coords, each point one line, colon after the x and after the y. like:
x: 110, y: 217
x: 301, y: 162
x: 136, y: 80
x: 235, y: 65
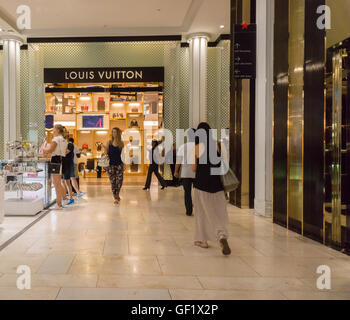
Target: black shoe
x: 163, y: 187
x: 189, y: 215
x: 145, y: 188
x: 225, y: 247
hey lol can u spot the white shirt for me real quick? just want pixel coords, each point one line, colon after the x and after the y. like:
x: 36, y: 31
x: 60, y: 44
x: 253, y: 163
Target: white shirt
x: 61, y: 146
x: 76, y: 151
x: 185, y: 157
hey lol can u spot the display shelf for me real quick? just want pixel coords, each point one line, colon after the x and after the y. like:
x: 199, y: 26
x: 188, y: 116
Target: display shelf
x: 125, y: 110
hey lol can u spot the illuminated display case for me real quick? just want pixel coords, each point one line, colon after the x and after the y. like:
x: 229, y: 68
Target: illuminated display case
x: 28, y: 187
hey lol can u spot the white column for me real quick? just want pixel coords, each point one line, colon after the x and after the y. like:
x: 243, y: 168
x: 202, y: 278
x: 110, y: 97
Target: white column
x: 264, y: 108
x: 11, y: 78
x: 198, y: 79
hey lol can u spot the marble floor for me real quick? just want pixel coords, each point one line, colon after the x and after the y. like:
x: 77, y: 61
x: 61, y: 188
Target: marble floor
x: 143, y: 249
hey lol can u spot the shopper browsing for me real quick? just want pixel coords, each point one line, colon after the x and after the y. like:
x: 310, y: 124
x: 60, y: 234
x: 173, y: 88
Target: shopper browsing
x: 68, y: 171
x: 209, y: 198
x: 116, y: 167
x: 57, y: 148
x: 77, y: 154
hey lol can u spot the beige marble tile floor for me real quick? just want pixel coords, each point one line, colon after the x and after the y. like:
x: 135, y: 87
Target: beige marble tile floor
x: 143, y: 249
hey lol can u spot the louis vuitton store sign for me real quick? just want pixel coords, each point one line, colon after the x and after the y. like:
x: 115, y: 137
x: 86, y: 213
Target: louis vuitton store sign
x: 67, y: 75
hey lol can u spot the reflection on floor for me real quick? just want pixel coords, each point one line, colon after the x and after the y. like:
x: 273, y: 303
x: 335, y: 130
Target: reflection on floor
x: 143, y: 249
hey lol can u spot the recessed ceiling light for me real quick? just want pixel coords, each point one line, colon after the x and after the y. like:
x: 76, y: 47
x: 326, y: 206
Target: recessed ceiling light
x: 222, y: 26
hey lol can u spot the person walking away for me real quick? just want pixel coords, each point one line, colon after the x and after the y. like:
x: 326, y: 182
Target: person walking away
x: 116, y: 167
x: 77, y: 154
x: 57, y: 148
x: 170, y: 159
x: 187, y: 175
x: 154, y: 157
x: 209, y: 198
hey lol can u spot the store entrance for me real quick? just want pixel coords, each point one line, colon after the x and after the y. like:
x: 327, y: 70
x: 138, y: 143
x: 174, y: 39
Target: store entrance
x: 91, y: 110
x: 337, y: 148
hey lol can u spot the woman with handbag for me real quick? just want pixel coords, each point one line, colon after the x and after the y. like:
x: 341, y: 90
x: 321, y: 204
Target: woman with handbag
x: 209, y: 198
x: 57, y: 148
x: 116, y: 167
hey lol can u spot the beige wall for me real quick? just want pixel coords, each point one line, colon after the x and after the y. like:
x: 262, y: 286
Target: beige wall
x: 340, y: 21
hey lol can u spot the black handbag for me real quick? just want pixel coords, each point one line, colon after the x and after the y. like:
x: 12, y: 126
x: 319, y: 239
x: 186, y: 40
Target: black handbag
x: 54, y: 168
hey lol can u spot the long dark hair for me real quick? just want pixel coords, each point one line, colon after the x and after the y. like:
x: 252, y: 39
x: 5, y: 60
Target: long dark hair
x: 206, y: 127
x: 208, y: 140
x: 119, y: 140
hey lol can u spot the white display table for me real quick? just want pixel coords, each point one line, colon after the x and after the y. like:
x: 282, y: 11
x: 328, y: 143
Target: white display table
x: 2, y: 196
x: 23, y: 207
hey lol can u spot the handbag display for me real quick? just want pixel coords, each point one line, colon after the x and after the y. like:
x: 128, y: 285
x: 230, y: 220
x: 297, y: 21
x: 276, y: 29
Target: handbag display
x: 104, y: 161
x: 101, y: 105
x: 134, y: 123
x: 229, y: 181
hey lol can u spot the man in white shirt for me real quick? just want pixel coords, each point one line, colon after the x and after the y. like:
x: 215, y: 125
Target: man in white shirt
x: 184, y: 161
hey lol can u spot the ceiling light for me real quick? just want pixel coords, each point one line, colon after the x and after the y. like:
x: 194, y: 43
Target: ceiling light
x: 85, y: 98
x: 222, y: 26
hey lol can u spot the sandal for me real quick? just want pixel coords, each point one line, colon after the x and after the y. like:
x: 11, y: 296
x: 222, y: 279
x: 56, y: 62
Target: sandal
x: 201, y: 244
x: 225, y: 247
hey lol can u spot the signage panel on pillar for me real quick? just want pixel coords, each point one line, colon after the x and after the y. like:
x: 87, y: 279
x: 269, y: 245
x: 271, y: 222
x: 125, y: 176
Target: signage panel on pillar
x: 245, y: 51
x: 93, y: 75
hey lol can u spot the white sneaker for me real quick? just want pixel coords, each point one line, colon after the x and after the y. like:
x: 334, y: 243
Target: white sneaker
x: 57, y: 207
x: 81, y: 194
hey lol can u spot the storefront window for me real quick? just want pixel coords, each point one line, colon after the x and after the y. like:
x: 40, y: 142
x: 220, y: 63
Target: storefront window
x: 296, y: 114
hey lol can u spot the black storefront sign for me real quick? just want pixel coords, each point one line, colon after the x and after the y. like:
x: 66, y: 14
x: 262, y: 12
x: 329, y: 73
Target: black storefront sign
x: 96, y: 75
x: 245, y: 51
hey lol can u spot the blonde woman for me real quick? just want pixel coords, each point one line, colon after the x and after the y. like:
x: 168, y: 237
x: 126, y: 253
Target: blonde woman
x: 57, y: 148
x: 116, y: 167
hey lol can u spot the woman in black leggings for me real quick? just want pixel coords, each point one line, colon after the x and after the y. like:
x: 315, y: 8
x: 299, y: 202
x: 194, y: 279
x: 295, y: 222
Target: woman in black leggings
x: 116, y: 167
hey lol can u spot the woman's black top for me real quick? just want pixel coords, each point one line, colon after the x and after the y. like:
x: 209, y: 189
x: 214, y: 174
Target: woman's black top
x: 204, y: 181
x: 67, y: 161
x: 114, y: 154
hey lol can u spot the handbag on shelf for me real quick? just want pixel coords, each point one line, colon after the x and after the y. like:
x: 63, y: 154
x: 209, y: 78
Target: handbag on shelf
x: 229, y: 181
x: 101, y: 105
x: 104, y: 161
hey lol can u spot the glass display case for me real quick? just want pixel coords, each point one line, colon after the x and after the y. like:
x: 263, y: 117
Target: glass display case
x: 27, y: 187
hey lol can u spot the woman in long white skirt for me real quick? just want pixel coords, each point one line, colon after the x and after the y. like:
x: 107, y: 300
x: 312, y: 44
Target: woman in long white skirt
x: 209, y: 198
